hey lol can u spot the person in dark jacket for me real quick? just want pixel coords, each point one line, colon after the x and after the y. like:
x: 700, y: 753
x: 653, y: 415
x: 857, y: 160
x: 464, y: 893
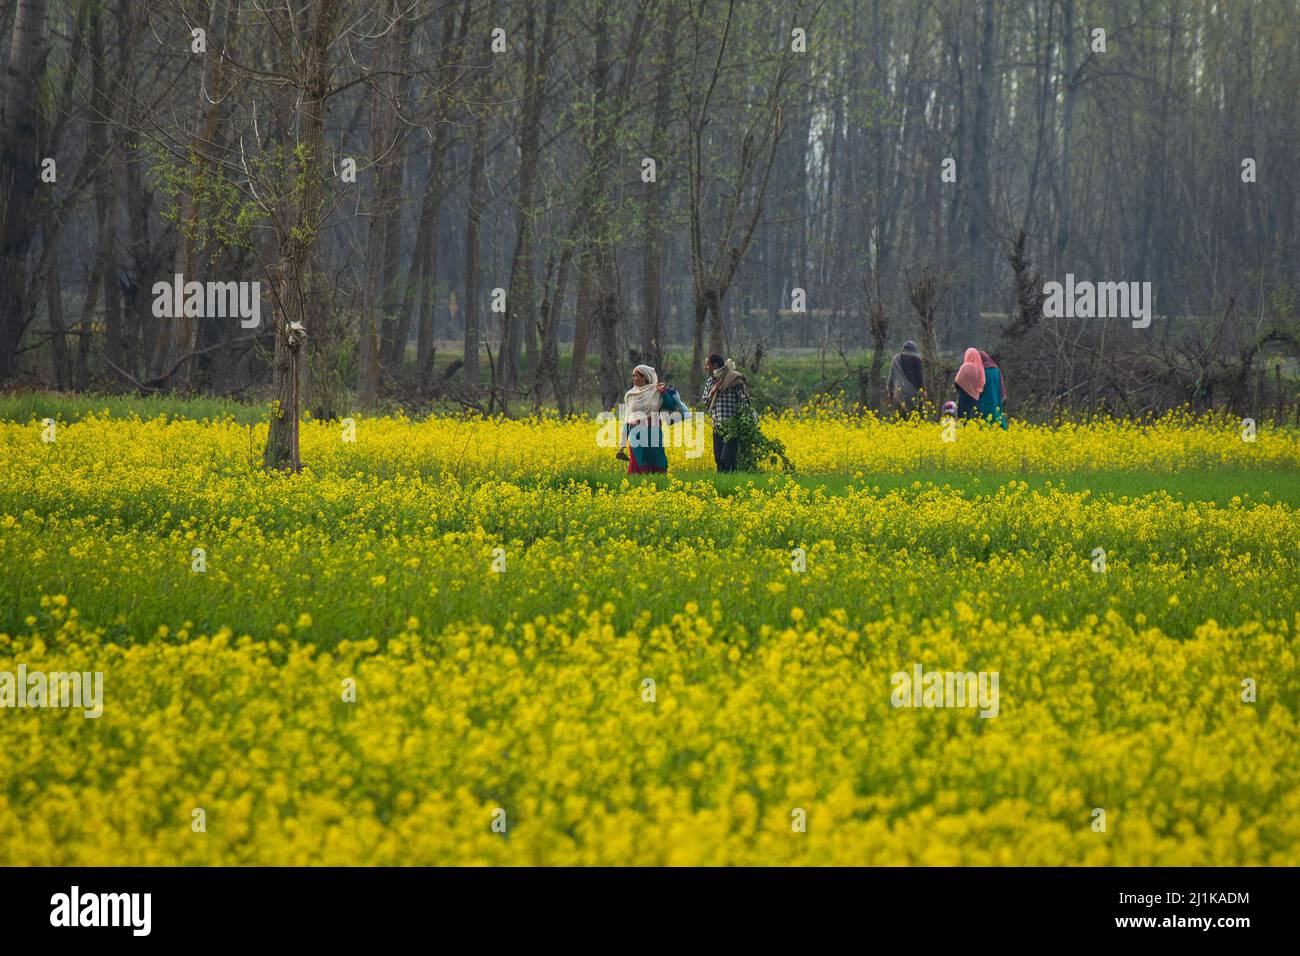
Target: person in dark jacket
x: 906, y: 378
x: 725, y: 394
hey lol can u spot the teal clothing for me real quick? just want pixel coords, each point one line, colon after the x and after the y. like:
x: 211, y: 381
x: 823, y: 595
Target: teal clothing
x: 967, y: 407
x: 645, y: 440
x: 991, y: 398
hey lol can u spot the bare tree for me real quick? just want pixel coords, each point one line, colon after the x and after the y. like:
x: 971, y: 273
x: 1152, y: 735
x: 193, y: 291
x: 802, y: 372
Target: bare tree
x: 20, y: 118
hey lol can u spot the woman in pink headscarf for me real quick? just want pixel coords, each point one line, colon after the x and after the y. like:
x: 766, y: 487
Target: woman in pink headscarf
x: 970, y: 384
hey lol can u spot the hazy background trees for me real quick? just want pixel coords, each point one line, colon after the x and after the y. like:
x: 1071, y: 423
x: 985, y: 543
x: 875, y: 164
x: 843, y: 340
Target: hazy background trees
x: 548, y: 190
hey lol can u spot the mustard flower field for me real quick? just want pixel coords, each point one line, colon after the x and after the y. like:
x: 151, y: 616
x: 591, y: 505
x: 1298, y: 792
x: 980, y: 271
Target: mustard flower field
x: 475, y: 642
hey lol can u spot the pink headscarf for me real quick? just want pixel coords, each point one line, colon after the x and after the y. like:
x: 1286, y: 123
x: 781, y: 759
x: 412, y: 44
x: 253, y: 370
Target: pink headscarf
x: 970, y: 377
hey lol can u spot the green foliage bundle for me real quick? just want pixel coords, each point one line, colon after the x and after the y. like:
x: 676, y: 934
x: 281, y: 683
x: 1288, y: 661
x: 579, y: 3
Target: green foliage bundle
x: 753, y: 448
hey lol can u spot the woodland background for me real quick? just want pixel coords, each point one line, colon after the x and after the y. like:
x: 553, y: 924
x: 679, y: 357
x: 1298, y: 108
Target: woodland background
x: 776, y: 168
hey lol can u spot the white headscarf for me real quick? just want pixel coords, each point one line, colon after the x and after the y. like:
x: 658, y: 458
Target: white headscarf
x: 641, y: 400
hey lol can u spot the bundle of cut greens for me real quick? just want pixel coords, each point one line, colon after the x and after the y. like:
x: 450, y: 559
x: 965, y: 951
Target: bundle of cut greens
x: 753, y: 448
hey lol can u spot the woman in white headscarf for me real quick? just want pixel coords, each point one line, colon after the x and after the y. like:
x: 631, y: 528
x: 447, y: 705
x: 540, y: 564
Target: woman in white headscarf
x: 644, y: 407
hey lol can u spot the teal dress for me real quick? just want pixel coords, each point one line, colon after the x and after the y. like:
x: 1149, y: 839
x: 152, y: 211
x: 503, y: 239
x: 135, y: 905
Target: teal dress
x: 990, y: 406
x: 646, y: 443
x: 967, y: 407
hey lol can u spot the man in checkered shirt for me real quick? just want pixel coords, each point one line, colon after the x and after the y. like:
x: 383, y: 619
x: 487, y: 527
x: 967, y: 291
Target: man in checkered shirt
x: 725, y: 393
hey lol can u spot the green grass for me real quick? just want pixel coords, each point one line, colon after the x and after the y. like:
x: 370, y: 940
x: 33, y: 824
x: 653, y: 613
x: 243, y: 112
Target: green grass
x: 1219, y: 486
x: 66, y: 407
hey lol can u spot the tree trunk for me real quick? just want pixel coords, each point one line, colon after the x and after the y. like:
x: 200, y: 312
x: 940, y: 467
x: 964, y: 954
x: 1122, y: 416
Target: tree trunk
x: 878, y: 326
x: 976, y: 252
x: 583, y: 321
x: 701, y: 317
x: 297, y: 244
x: 609, y: 315
x: 184, y: 331
x: 656, y: 197
x: 517, y: 321
x: 139, y: 324
x: 368, y: 341
x: 548, y: 367
x: 19, y: 174
x: 426, y: 245
x: 472, y: 278
x: 1067, y: 126
x: 58, y: 327
x: 426, y: 256
x: 393, y: 348
x: 115, y: 341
